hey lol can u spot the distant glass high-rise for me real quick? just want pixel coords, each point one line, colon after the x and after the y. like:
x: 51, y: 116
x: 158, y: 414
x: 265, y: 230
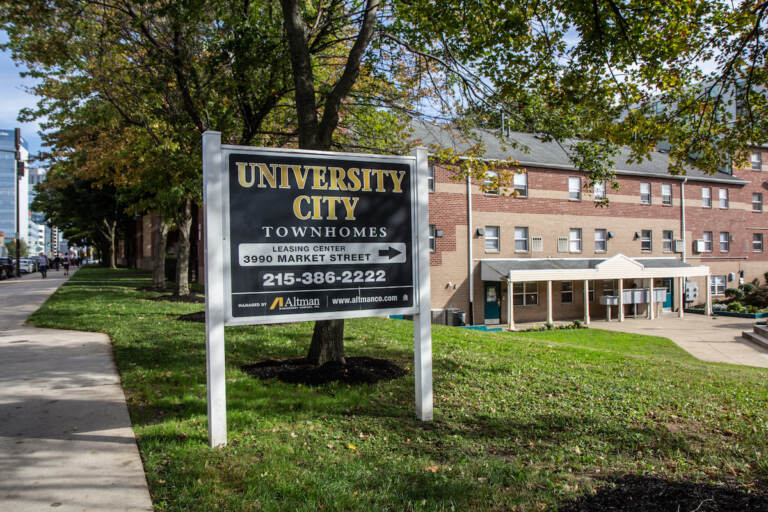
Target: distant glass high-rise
x: 8, y: 187
x: 36, y: 240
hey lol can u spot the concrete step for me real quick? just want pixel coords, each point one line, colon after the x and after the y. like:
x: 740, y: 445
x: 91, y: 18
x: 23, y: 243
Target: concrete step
x: 762, y: 330
x: 757, y: 339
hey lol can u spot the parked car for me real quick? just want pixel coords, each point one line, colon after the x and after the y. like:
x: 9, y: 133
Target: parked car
x: 6, y: 268
x: 26, y: 265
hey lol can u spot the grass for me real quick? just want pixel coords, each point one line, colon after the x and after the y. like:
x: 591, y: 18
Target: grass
x: 523, y: 421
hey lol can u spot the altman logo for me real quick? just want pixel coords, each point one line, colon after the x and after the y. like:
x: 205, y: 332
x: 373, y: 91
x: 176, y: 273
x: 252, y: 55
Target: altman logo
x: 282, y: 304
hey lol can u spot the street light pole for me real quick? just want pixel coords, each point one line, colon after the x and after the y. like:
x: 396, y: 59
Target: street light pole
x: 19, y: 175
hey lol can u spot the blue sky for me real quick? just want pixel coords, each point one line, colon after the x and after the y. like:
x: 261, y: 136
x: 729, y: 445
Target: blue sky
x: 13, y: 97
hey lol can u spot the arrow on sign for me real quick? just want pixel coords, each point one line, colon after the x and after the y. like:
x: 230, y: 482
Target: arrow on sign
x: 391, y: 252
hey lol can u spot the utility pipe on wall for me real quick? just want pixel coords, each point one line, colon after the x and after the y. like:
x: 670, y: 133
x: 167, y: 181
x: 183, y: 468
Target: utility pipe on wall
x: 469, y: 253
x: 682, y: 218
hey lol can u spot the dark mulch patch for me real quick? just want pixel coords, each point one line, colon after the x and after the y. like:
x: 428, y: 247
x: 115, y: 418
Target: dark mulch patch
x: 198, y: 316
x: 192, y: 298
x: 152, y: 289
x: 357, y: 370
x: 642, y: 494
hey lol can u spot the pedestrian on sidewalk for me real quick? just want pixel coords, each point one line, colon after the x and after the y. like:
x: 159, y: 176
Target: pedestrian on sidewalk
x: 65, y: 264
x: 43, y: 265
x: 56, y: 262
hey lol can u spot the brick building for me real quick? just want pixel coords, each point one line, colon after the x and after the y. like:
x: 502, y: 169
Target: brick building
x: 560, y: 252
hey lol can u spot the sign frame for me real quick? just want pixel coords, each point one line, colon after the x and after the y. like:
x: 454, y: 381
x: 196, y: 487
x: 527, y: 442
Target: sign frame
x: 218, y: 311
x: 230, y: 320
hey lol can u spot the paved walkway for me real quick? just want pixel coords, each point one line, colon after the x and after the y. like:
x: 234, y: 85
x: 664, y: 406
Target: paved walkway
x: 715, y: 339
x: 66, y: 440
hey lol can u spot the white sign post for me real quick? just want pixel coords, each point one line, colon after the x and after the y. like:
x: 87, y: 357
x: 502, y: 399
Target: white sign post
x: 294, y: 235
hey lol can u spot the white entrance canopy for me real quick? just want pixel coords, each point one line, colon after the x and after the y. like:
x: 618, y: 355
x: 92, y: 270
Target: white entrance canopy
x: 571, y: 269
x: 620, y: 267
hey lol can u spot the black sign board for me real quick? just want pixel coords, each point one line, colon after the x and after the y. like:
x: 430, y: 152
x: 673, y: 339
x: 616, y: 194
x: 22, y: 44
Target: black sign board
x: 319, y: 235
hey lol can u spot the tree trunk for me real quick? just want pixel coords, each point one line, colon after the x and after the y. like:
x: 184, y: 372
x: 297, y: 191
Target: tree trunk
x: 182, y: 263
x: 327, y: 342
x: 109, y: 233
x: 159, y: 248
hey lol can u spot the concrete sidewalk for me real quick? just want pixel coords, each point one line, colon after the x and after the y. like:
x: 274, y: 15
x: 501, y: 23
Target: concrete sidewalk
x: 713, y: 339
x: 66, y: 440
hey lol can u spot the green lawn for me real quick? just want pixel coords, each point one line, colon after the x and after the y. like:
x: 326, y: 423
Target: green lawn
x: 522, y: 421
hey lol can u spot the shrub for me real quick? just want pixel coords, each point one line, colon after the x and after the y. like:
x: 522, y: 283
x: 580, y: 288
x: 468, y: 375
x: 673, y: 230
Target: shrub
x: 766, y: 277
x: 734, y: 293
x: 578, y: 324
x: 747, y: 287
x: 549, y: 326
x: 751, y: 309
x: 736, y: 307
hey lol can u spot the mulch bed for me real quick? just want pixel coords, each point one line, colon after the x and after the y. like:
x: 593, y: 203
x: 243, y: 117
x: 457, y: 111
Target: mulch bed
x: 192, y: 298
x: 198, y: 316
x: 357, y: 370
x: 642, y: 494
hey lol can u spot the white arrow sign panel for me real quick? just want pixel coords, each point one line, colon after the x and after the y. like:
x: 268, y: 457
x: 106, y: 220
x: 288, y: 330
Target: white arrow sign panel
x: 253, y: 255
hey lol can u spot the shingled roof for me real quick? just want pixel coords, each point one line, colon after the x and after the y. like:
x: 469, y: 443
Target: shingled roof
x: 535, y: 152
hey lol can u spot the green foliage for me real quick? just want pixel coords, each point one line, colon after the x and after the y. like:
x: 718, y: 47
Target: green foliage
x: 747, y: 287
x: 736, y: 307
x: 23, y: 248
x: 522, y: 420
x: 735, y: 293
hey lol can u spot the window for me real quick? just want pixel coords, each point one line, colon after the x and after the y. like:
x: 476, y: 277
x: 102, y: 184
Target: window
x: 492, y: 238
x: 666, y: 195
x: 756, y: 159
x: 491, y: 183
x: 431, y: 179
x: 645, y: 193
x: 717, y: 285
x: 521, y: 239
x: 707, y: 237
x: 431, y: 238
x: 521, y: 184
x: 757, y: 201
x: 574, y: 238
x: 562, y: 244
x: 706, y: 197
x: 601, y: 240
x: 757, y: 242
x: 566, y: 292
x: 537, y: 244
x: 574, y: 189
x: 666, y: 241
x: 724, y: 241
x: 646, y: 240
x: 525, y: 294
x: 598, y: 191
x: 723, y: 196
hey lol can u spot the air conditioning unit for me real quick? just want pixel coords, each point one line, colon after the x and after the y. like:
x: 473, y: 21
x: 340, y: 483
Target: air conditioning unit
x: 698, y: 246
x: 679, y: 246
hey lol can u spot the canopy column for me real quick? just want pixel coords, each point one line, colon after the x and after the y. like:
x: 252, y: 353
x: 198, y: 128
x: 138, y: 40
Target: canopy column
x: 621, y: 300
x: 708, y: 292
x: 651, y: 301
x: 549, y: 301
x: 510, y: 305
x: 682, y: 297
x: 586, y: 302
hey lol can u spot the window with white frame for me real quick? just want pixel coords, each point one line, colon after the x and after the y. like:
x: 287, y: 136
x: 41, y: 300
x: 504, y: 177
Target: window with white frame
x: 757, y: 242
x: 645, y: 193
x: 566, y: 292
x: 723, y: 196
x: 525, y: 294
x: 706, y: 197
x: 491, y: 183
x: 598, y: 190
x: 537, y: 244
x: 666, y: 195
x: 666, y: 241
x: 724, y: 243
x: 431, y: 179
x: 521, y: 239
x: 757, y: 201
x: 717, y: 285
x: 574, y: 240
x: 601, y: 240
x: 492, y: 238
x: 707, y: 237
x: 521, y: 184
x: 574, y: 188
x: 562, y: 244
x: 431, y: 238
x: 646, y: 240
x: 756, y: 159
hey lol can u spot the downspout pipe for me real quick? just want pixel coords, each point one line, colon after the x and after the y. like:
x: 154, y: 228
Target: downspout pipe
x: 682, y: 217
x: 469, y: 253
